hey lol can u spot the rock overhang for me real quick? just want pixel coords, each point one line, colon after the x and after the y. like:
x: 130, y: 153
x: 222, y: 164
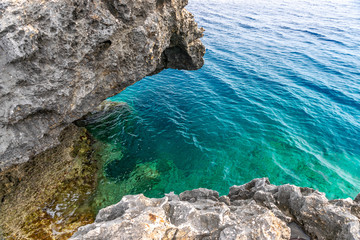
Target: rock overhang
x: 60, y: 59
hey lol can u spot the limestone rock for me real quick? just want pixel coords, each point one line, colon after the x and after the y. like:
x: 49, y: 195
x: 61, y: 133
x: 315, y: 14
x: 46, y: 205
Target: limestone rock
x: 256, y: 210
x: 138, y: 217
x: 319, y: 217
x: 60, y: 59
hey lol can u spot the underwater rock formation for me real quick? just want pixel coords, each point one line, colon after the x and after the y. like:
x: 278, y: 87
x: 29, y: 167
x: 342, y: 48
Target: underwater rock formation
x: 61, y: 59
x: 49, y: 197
x: 256, y: 210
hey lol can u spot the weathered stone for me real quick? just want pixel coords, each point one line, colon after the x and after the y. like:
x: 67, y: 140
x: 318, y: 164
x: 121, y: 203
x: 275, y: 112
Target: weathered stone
x: 197, y: 194
x: 61, y: 59
x: 297, y: 233
x: 256, y: 210
x: 171, y: 218
x: 248, y: 190
x: 225, y: 199
x: 319, y: 217
x: 357, y: 198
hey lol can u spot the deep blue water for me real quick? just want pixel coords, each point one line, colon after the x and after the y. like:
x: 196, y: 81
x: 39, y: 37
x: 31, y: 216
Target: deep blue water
x: 278, y: 97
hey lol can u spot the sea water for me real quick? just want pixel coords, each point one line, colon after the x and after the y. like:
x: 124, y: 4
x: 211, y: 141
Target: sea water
x: 278, y: 97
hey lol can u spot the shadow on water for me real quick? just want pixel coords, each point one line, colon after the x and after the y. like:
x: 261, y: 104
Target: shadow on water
x: 106, y: 124
x: 128, y: 163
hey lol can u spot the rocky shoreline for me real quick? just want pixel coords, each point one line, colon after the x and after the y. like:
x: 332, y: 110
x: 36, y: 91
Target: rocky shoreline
x: 256, y: 210
x: 58, y: 61
x: 49, y: 197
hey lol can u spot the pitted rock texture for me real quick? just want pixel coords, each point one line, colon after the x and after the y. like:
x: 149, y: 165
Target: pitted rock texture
x: 59, y: 59
x: 256, y: 210
x: 138, y: 217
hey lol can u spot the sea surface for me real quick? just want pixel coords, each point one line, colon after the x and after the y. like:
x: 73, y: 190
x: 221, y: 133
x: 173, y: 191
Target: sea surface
x: 278, y: 97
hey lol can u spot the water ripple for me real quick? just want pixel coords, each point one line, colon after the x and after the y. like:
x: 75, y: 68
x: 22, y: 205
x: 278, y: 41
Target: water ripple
x: 278, y: 97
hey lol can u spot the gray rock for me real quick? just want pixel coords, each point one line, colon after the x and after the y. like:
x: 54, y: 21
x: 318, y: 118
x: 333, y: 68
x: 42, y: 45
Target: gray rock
x: 319, y: 217
x: 225, y: 199
x: 248, y: 190
x: 357, y: 198
x: 197, y: 194
x: 297, y: 233
x: 176, y: 219
x: 256, y: 210
x: 61, y: 59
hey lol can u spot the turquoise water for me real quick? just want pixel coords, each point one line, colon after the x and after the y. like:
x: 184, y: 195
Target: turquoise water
x: 278, y: 97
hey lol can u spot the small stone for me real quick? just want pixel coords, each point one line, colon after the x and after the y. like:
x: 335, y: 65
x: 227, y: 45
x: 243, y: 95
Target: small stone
x: 197, y: 194
x: 172, y: 196
x: 297, y: 232
x: 225, y: 199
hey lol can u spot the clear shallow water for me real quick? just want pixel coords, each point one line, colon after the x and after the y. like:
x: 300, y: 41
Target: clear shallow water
x: 278, y: 97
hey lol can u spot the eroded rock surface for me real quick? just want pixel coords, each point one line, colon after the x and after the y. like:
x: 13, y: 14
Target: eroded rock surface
x: 256, y: 210
x: 61, y: 59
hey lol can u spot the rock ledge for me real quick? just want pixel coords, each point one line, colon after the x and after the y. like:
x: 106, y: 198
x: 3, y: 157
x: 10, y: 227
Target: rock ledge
x: 256, y: 210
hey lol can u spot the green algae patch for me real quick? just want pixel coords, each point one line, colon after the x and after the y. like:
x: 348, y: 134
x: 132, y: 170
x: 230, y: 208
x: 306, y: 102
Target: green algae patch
x: 126, y: 168
x: 145, y: 178
x: 49, y: 196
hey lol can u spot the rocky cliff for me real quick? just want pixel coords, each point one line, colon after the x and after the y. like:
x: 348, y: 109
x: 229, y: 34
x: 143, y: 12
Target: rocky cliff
x: 256, y: 210
x: 59, y: 59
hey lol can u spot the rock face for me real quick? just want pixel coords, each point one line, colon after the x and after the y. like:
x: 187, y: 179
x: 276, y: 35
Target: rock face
x: 60, y: 59
x: 256, y: 210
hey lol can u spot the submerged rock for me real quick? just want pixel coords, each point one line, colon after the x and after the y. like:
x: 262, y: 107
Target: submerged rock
x: 256, y: 210
x: 141, y: 179
x: 61, y: 59
x: 49, y: 197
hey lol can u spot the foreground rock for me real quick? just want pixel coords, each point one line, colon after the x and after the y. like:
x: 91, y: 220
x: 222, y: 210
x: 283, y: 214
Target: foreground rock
x: 256, y: 210
x: 60, y: 59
